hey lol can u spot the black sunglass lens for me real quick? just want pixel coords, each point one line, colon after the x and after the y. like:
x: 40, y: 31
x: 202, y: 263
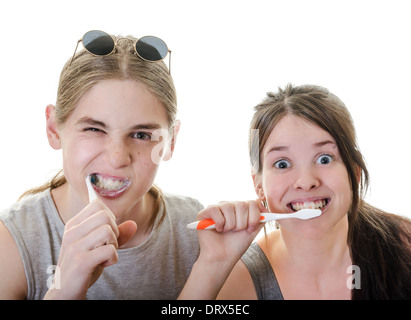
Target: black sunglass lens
x: 98, y: 42
x: 151, y: 48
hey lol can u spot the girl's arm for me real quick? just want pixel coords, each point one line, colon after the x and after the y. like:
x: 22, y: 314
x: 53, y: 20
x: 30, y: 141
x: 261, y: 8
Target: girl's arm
x: 237, y: 224
x: 13, y: 282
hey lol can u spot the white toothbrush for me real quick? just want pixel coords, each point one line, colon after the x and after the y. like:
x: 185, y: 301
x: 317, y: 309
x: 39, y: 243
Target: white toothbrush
x: 91, y: 193
x: 303, y: 214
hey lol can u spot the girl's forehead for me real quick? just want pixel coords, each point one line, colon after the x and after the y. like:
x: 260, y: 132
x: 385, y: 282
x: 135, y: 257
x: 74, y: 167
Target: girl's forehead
x: 120, y: 101
x: 294, y: 130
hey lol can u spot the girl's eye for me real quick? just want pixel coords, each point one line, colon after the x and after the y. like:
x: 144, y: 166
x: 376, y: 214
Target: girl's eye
x: 324, y: 159
x: 142, y: 136
x: 282, y: 164
x: 93, y: 130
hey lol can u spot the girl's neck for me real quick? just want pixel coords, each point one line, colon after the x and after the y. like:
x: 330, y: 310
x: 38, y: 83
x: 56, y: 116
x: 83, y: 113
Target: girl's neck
x: 310, y: 268
x: 314, y: 255
x: 141, y: 214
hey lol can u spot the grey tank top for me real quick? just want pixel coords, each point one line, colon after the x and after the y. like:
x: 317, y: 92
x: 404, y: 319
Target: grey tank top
x: 265, y: 282
x: 156, y: 269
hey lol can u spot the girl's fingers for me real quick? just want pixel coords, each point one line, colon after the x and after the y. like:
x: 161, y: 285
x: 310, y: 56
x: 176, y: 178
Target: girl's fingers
x: 214, y: 213
x: 229, y: 211
x: 89, y: 210
x: 104, y: 256
x: 234, y: 216
x: 254, y: 213
x: 92, y: 222
x: 242, y: 215
x: 100, y: 236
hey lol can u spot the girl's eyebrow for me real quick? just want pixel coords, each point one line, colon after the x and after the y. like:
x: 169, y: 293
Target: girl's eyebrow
x: 276, y: 149
x: 317, y: 145
x: 323, y: 143
x: 93, y: 122
x: 146, y: 126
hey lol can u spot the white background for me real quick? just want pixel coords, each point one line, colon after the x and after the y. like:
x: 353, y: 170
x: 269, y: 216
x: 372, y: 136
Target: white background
x: 226, y: 56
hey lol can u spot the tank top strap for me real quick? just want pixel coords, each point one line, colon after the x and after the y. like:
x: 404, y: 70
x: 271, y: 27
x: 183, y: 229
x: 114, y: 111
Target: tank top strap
x: 265, y: 281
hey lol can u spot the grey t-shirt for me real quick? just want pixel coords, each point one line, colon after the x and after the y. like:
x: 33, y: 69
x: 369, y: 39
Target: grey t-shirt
x: 156, y: 269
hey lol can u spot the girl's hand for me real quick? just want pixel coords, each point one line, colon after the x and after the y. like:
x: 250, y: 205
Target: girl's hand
x: 90, y: 243
x: 236, y: 225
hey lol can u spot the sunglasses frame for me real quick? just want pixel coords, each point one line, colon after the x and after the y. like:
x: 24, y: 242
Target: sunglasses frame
x: 115, y: 41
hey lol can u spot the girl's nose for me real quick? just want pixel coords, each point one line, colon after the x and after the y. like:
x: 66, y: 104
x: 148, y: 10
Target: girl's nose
x: 306, y: 180
x: 118, y: 154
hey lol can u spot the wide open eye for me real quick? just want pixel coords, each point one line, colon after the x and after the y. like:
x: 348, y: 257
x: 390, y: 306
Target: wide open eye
x: 282, y: 164
x: 324, y: 159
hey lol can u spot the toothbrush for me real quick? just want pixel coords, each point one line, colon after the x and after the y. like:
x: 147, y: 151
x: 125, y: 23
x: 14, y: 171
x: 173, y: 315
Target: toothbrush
x: 91, y: 193
x: 303, y: 214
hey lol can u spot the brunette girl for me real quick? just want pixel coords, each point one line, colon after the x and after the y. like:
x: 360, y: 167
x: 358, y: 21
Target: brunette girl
x: 304, y: 155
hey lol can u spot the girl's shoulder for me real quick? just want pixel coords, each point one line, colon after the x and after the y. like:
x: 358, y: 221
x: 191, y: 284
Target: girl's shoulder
x: 179, y: 212
x: 268, y: 240
x: 12, y: 274
x: 31, y: 215
x: 177, y: 201
x: 30, y: 203
x: 239, y: 284
x: 181, y: 207
x: 253, y: 276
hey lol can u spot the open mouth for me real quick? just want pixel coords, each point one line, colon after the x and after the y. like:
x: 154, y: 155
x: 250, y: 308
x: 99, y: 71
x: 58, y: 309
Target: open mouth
x: 109, y: 186
x: 316, y: 204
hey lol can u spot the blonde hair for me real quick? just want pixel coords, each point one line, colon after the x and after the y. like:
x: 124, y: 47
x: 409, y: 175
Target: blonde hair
x: 86, y: 70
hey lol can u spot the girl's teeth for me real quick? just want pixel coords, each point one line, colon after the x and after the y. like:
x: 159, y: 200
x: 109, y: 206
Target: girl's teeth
x: 108, y: 184
x: 318, y: 204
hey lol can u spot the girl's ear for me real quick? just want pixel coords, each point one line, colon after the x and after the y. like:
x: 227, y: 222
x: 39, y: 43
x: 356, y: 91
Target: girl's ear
x: 170, y: 148
x: 51, y: 128
x: 258, y: 187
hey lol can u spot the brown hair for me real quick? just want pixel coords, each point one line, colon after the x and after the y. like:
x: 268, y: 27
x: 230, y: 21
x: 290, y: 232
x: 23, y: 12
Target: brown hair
x: 86, y: 70
x: 380, y: 243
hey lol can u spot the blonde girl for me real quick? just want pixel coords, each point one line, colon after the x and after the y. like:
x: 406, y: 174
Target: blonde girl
x: 115, y: 121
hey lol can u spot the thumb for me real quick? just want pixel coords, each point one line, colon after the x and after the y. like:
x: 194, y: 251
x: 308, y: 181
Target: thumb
x: 127, y: 229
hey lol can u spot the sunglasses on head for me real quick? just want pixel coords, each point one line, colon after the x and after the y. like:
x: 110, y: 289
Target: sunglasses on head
x: 148, y: 48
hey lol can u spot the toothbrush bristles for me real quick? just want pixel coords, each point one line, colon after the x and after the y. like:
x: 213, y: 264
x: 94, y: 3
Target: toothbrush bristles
x: 93, y: 178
